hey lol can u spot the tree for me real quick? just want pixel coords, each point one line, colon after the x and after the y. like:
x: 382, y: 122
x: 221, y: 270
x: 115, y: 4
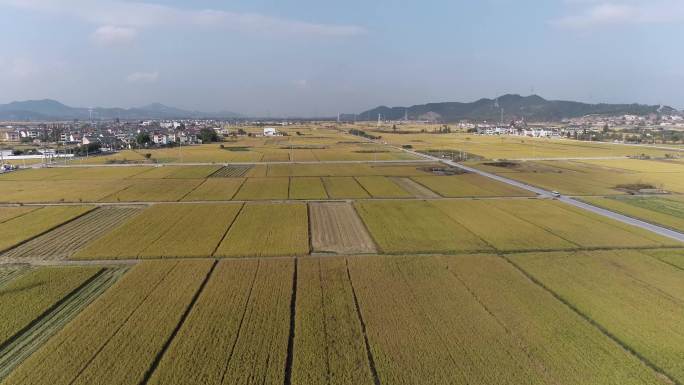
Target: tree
x: 143, y: 139
x: 208, y: 135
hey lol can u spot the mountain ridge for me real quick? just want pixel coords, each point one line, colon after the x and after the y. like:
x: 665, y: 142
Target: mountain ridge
x: 531, y: 108
x: 49, y: 109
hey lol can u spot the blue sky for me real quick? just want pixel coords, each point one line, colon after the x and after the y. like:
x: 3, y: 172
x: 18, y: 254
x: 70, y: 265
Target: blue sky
x: 287, y: 58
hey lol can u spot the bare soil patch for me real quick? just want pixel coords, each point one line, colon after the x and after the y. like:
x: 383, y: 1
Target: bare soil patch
x: 336, y: 228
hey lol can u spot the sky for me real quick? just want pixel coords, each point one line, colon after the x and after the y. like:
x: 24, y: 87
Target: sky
x: 317, y: 58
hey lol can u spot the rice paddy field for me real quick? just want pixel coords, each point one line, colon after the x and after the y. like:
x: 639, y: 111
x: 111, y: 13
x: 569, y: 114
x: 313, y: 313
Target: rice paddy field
x: 341, y: 273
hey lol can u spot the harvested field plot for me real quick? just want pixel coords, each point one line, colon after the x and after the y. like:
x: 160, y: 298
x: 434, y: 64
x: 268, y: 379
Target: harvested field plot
x: 37, y: 222
x: 468, y: 185
x: 580, y: 227
x: 382, y: 187
x: 335, y: 228
x: 634, y: 297
x: 116, y: 339
x: 166, y: 231
x: 237, y: 332
x: 500, y: 229
x: 34, y: 335
x: 155, y: 190
x: 215, y: 189
x: 661, y: 211
x: 263, y: 189
x: 65, y: 240
x: 231, y: 171
x: 307, y: 188
x: 414, y: 189
x: 329, y: 345
x: 27, y: 297
x: 344, y: 188
x: 267, y: 230
x: 416, y: 227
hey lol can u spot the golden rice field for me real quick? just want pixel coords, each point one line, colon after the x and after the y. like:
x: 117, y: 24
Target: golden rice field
x: 282, y: 273
x: 595, y: 177
x: 542, y: 318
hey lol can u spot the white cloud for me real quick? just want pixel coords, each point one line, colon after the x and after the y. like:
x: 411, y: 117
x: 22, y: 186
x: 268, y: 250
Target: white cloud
x: 110, y: 35
x: 143, y: 77
x: 604, y: 14
x: 138, y: 15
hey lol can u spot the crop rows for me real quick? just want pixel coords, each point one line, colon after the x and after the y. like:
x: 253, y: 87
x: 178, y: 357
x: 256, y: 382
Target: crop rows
x: 65, y: 240
x: 166, y: 231
x: 635, y: 298
x: 329, y: 344
x: 231, y: 171
x: 267, y: 230
x: 24, y: 343
x: 336, y: 228
x: 116, y: 339
x: 344, y: 188
x: 37, y: 222
x: 26, y: 297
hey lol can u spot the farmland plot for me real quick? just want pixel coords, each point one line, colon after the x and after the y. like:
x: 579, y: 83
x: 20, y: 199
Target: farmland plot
x: 500, y: 229
x: 264, y: 189
x: 344, y: 188
x: 59, y: 190
x: 674, y: 257
x: 65, y: 240
x: 636, y: 298
x: 329, y: 346
x: 196, y: 235
x: 468, y: 185
x: 201, y: 350
x: 166, y: 231
x: 177, y: 172
x: 7, y: 213
x: 382, y: 187
x: 231, y: 171
x: 215, y: 189
x: 37, y: 222
x: 254, y: 348
x: 424, y: 326
x: 416, y: 227
x: 563, y: 346
x: 335, y: 228
x: 36, y: 333
x: 155, y: 190
x: 661, y: 211
x: 267, y: 230
x: 307, y: 188
x: 27, y: 297
x: 579, y: 227
x: 414, y: 189
x: 9, y: 272
x: 116, y: 339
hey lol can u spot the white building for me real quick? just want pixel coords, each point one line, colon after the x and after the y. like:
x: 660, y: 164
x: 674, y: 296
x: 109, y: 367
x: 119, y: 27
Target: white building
x: 270, y: 131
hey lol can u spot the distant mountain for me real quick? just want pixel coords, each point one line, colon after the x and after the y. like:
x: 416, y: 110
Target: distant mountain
x: 53, y: 110
x: 533, y: 108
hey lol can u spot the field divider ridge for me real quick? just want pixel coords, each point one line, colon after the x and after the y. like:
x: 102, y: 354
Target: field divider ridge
x: 369, y: 353
x: 225, y: 234
x: 289, y: 358
x: 594, y: 323
x: 242, y: 319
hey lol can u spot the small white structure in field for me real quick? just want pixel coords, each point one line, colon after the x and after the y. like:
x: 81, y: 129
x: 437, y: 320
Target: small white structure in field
x: 270, y: 131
